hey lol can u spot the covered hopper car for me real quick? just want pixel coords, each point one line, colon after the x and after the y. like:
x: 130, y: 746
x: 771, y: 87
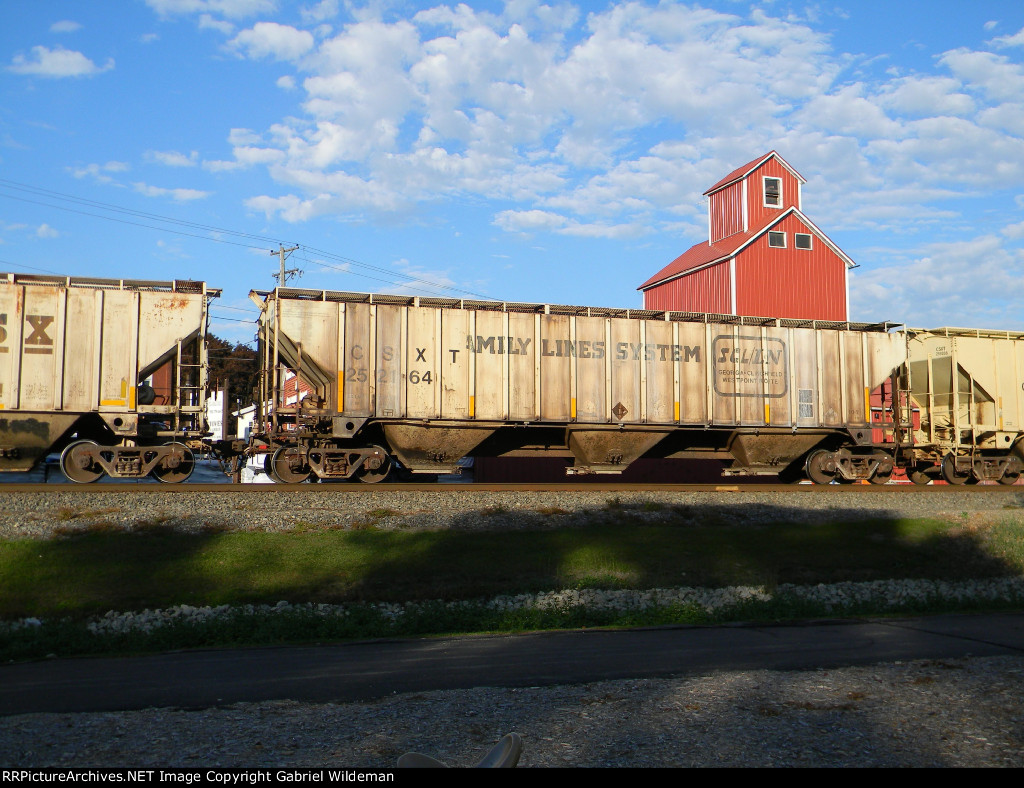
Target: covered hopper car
x: 110, y: 372
x: 969, y: 387
x: 429, y: 381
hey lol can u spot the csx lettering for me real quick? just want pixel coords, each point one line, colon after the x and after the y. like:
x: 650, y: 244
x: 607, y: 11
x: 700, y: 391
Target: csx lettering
x: 39, y: 325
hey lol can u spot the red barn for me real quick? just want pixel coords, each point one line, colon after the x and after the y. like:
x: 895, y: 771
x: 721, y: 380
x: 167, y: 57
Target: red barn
x: 764, y: 256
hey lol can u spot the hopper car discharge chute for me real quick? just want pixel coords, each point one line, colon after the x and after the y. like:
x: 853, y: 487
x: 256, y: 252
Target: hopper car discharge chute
x: 354, y: 383
x: 109, y: 372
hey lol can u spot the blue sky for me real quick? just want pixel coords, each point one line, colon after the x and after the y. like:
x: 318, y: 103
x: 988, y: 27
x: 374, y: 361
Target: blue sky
x: 521, y: 151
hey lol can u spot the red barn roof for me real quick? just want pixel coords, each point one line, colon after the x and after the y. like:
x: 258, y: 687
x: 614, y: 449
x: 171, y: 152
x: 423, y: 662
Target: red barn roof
x: 704, y: 253
x: 749, y: 167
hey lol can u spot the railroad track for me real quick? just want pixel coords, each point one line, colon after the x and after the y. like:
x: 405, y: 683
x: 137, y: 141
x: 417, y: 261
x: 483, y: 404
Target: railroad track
x: 472, y: 488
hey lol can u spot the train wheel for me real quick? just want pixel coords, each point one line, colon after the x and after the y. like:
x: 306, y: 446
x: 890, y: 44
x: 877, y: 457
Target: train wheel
x: 919, y: 477
x: 289, y: 466
x: 949, y: 472
x: 880, y: 478
x: 373, y: 475
x: 76, y: 462
x: 268, y: 468
x: 816, y: 468
x: 175, y: 467
x: 1012, y: 472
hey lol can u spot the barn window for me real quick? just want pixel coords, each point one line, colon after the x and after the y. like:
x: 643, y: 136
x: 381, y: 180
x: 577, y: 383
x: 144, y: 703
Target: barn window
x: 802, y: 241
x: 773, y: 192
x: 777, y: 240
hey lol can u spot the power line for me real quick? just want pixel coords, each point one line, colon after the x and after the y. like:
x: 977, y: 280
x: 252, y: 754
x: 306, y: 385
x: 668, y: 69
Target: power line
x: 30, y: 268
x: 110, y: 207
x: 415, y: 283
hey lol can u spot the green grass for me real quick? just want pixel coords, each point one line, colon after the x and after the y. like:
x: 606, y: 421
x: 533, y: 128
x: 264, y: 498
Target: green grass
x: 75, y: 577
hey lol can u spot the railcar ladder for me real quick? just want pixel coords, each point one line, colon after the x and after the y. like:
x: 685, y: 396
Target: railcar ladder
x: 187, y: 399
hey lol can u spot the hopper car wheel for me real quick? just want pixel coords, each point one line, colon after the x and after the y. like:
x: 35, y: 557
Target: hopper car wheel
x: 949, y: 472
x: 1011, y: 474
x: 77, y: 465
x: 919, y: 477
x: 289, y: 467
x: 374, y: 475
x: 177, y: 466
x: 268, y: 467
x: 816, y: 470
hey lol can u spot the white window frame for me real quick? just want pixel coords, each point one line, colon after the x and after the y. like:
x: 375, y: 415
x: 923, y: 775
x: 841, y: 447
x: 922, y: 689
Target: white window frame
x: 810, y: 241
x: 776, y: 232
x: 764, y: 191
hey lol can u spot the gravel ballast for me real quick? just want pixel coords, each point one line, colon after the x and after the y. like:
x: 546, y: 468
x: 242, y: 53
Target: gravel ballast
x: 40, y: 515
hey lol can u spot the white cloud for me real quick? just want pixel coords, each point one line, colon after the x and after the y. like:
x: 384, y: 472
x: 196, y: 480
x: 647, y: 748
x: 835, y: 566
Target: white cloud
x: 1014, y: 230
x: 45, y: 231
x: 207, y: 22
x: 99, y: 172
x: 57, y: 63
x: 930, y: 281
x: 220, y: 165
x: 1016, y: 40
x: 994, y: 75
x: 269, y: 39
x: 178, y: 195
x: 173, y: 158
x: 544, y: 221
x: 286, y: 82
x: 321, y: 12
x: 529, y: 221
x: 65, y: 26
x: 924, y: 96
x: 233, y: 9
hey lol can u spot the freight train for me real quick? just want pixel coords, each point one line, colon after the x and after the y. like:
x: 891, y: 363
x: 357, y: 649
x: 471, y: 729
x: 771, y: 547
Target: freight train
x: 353, y: 384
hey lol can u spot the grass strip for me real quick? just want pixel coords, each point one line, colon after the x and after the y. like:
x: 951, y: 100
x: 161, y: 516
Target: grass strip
x: 64, y: 582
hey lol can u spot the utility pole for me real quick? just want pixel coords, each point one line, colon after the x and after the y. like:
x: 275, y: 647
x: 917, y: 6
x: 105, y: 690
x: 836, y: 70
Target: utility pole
x: 284, y: 274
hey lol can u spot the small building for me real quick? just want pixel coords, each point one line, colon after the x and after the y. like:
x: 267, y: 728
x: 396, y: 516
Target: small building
x: 763, y: 256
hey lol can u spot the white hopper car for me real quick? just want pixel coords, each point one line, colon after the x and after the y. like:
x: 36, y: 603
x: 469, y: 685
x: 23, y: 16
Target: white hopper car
x: 75, y: 355
x: 429, y: 381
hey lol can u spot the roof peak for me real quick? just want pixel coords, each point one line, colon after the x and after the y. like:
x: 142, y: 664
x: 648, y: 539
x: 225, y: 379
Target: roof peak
x: 741, y: 172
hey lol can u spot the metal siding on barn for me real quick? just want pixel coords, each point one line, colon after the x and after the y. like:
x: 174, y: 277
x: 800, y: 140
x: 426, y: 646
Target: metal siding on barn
x: 795, y: 283
x: 705, y: 290
x: 726, y: 212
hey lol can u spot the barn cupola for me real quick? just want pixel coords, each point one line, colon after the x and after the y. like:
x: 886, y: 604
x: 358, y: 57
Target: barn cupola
x: 750, y: 195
